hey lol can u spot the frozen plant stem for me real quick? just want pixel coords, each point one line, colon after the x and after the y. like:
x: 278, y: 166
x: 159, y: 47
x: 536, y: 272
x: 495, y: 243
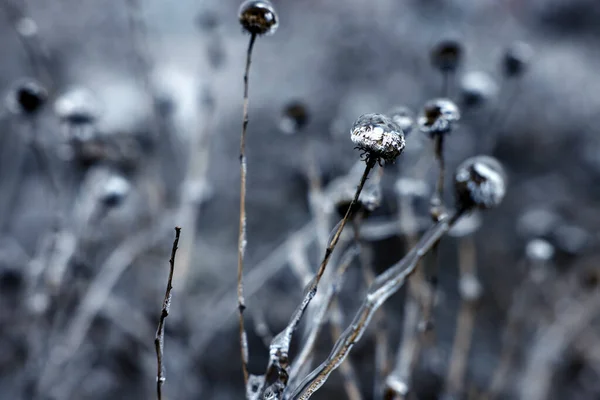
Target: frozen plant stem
x: 384, y: 286
x: 279, y: 349
x: 159, y: 339
x: 242, y: 230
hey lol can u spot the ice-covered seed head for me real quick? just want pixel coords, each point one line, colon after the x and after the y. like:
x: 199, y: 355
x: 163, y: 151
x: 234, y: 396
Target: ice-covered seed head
x: 438, y: 116
x: 476, y: 88
x: 27, y: 97
x: 114, y: 191
x: 78, y: 106
x: 516, y: 59
x: 294, y: 117
x: 404, y: 118
x: 258, y: 17
x: 479, y: 182
x: 378, y: 136
x: 446, y: 55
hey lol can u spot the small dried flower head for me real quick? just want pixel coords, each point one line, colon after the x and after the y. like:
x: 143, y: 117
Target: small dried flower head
x: 378, y: 136
x: 77, y: 106
x: 114, y: 191
x: 404, y: 118
x: 446, y: 55
x: 539, y: 250
x: 294, y: 117
x: 341, y: 192
x: 258, y: 17
x: 27, y: 97
x: 438, y: 116
x: 479, y: 182
x: 477, y: 88
x: 516, y: 59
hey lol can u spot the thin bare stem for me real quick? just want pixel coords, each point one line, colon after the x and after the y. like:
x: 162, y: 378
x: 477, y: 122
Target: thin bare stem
x: 384, y: 286
x: 279, y: 357
x: 242, y: 230
x: 159, y: 338
x: 466, y: 318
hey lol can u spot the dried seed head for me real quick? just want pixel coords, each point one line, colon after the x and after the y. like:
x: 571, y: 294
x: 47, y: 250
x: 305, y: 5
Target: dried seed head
x: 539, y: 250
x: 114, y: 191
x: 476, y: 88
x: 466, y: 225
x: 258, y: 17
x: 516, y: 59
x: 404, y: 118
x: 294, y: 117
x: 479, y: 182
x: 438, y: 116
x: 342, y: 190
x: 378, y: 136
x: 78, y: 106
x: 27, y: 97
x: 446, y: 55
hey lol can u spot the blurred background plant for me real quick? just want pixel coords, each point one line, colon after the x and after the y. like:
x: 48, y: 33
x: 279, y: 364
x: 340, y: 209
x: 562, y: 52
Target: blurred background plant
x: 121, y: 120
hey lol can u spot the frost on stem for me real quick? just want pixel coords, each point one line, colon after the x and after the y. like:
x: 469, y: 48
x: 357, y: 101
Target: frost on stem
x: 378, y: 137
x: 258, y: 17
x: 438, y: 116
x: 479, y: 182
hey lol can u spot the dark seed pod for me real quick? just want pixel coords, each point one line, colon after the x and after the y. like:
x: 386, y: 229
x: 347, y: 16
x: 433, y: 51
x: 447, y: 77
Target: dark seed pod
x: 479, y: 182
x: 438, y: 116
x: 404, y: 118
x: 27, y: 97
x: 342, y: 190
x: 294, y: 117
x: 378, y: 136
x: 258, y: 17
x: 477, y: 88
x: 446, y: 55
x: 516, y: 59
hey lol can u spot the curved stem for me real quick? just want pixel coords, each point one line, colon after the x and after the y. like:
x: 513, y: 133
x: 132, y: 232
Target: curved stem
x: 242, y: 230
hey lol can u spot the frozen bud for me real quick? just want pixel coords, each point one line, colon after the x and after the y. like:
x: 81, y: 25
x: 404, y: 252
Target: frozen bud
x: 469, y: 287
x: 404, y: 118
x: 27, y: 97
x: 476, y: 88
x: 446, y: 55
x: 294, y: 117
x: 516, y: 59
x: 539, y: 250
x: 438, y: 116
x: 114, y: 191
x: 258, y: 17
x: 342, y: 190
x: 77, y: 106
x: 378, y: 136
x: 479, y: 182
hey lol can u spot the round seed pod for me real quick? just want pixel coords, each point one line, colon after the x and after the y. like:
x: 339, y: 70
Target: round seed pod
x: 378, y: 136
x: 294, y: 117
x: 27, y: 97
x: 438, y: 116
x: 446, y: 55
x: 479, y: 182
x: 516, y: 59
x: 476, y: 88
x: 343, y: 189
x: 258, y: 17
x: 404, y: 118
x: 115, y: 189
x: 78, y: 106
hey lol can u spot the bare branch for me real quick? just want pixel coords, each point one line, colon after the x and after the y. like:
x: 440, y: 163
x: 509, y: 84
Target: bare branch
x: 385, y: 285
x: 159, y: 339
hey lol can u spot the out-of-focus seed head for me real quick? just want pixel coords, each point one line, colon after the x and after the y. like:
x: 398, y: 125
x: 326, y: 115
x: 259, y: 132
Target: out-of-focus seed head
x: 404, y: 118
x: 258, y: 17
x: 466, y: 225
x: 27, y: 97
x: 378, y: 136
x: 26, y: 27
x: 78, y: 106
x: 294, y: 117
x: 539, y: 250
x: 114, y: 191
x: 470, y: 288
x: 446, y: 55
x: 479, y: 182
x: 438, y: 116
x: 477, y: 88
x: 516, y: 59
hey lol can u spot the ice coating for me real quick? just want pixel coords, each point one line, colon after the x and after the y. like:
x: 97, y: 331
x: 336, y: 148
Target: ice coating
x: 378, y: 136
x: 438, y: 116
x: 258, y: 17
x: 480, y: 183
